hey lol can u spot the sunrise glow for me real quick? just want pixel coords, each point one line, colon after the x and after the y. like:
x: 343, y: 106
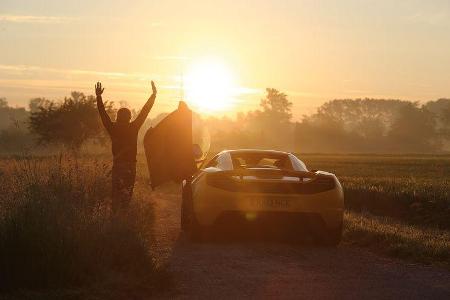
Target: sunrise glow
x: 209, y: 85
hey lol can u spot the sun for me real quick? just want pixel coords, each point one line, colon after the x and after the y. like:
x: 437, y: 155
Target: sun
x: 209, y: 86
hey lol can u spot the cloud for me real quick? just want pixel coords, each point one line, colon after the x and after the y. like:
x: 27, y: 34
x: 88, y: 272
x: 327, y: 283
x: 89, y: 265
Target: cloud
x: 35, y: 19
x: 250, y: 91
x: 157, y: 24
x: 36, y: 69
x: 429, y: 18
x: 21, y: 82
x: 171, y: 57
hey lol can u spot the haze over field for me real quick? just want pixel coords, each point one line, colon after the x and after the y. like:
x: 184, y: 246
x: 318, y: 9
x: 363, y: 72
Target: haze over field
x: 297, y: 144
x: 226, y: 51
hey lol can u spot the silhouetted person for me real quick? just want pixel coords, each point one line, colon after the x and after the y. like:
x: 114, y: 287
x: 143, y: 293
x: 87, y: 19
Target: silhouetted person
x: 123, y: 135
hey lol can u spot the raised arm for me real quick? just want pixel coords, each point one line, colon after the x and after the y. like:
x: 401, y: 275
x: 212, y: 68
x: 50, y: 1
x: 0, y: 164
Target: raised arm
x: 101, y: 107
x: 140, y: 119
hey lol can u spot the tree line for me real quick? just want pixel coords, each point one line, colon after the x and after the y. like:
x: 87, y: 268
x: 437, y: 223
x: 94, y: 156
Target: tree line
x: 340, y: 125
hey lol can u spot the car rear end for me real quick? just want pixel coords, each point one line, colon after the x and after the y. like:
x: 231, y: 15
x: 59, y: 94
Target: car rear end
x: 268, y: 196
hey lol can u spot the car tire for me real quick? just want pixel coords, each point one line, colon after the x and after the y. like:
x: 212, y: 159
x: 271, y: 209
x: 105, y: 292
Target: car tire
x: 185, y: 198
x: 331, y: 237
x: 197, y: 233
x: 189, y: 224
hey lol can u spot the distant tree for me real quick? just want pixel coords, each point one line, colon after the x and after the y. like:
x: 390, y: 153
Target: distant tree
x: 322, y: 134
x: 369, y: 125
x: 355, y: 114
x: 14, y: 135
x: 11, y: 116
x: 414, y: 130
x: 3, y: 103
x: 70, y: 123
x: 441, y: 109
x: 445, y: 119
x: 270, y: 126
x: 15, y: 138
x: 36, y: 103
x: 276, y: 106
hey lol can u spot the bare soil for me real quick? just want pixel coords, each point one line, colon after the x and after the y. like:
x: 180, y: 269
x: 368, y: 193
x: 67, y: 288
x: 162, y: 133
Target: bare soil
x: 271, y: 269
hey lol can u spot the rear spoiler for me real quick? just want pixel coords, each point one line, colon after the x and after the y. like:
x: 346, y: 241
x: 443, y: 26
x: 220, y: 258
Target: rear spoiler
x: 270, y: 172
x: 227, y: 180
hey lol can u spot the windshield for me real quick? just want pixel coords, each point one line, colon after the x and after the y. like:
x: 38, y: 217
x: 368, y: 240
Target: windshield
x: 261, y: 160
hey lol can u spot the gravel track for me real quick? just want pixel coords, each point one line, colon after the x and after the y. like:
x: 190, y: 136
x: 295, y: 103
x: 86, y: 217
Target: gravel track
x: 265, y: 269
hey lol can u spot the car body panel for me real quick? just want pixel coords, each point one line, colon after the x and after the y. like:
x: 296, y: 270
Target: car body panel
x: 209, y: 202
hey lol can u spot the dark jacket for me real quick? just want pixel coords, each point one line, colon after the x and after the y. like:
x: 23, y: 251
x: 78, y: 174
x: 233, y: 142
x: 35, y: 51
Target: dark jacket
x: 124, y: 135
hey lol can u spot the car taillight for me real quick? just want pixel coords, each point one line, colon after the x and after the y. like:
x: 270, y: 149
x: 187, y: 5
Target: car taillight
x: 318, y: 185
x: 222, y: 181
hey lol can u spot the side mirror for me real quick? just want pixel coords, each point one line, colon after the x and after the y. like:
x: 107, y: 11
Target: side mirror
x: 198, y: 153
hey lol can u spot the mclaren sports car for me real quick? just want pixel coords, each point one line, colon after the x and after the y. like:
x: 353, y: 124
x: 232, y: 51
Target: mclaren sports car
x: 264, y: 190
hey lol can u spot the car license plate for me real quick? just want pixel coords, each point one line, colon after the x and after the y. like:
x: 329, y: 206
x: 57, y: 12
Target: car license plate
x: 269, y: 203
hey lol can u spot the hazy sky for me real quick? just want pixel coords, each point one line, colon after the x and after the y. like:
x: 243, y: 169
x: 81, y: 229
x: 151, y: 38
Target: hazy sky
x: 312, y: 50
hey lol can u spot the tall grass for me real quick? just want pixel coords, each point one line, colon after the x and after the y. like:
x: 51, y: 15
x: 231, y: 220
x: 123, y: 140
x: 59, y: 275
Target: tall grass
x: 430, y: 246
x: 413, y: 189
x: 397, y: 205
x: 56, y: 228
x: 424, y: 202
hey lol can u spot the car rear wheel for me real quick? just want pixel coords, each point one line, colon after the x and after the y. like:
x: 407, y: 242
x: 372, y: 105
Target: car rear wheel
x: 331, y: 237
x: 185, y: 199
x: 189, y: 224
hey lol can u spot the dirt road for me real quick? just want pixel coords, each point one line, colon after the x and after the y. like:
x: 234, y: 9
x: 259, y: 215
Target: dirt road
x: 281, y: 271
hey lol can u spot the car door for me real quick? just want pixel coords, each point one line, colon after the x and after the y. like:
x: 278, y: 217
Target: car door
x: 169, y: 149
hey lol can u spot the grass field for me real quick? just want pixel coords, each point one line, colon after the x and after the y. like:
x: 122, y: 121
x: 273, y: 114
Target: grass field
x: 396, y: 205
x: 56, y: 230
x: 414, y: 189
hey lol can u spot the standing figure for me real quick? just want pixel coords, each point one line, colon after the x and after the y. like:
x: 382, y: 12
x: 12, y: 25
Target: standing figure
x: 124, y: 136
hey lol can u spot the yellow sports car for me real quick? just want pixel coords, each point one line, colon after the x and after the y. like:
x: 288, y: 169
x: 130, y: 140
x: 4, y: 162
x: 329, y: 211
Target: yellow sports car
x: 262, y: 189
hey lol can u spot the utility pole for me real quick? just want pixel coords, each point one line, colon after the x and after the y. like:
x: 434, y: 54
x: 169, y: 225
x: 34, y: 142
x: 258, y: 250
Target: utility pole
x: 182, y: 85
